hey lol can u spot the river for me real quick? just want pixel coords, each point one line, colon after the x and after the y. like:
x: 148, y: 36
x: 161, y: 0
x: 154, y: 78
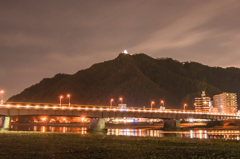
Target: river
x: 200, y: 134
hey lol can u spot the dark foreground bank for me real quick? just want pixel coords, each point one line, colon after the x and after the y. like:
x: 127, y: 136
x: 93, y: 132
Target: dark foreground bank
x: 70, y: 145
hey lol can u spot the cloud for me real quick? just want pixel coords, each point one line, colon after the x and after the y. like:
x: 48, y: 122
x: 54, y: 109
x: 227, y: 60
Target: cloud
x: 183, y: 32
x: 24, y: 40
x: 194, y: 37
x: 41, y: 38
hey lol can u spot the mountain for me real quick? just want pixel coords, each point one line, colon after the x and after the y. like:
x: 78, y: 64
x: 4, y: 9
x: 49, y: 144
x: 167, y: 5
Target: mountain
x: 139, y: 79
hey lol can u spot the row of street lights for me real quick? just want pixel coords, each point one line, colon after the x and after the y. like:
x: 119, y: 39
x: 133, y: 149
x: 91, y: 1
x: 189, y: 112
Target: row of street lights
x: 152, y: 103
x: 61, y: 97
x: 68, y: 96
x: 121, y: 100
x: 111, y: 100
x: 161, y: 102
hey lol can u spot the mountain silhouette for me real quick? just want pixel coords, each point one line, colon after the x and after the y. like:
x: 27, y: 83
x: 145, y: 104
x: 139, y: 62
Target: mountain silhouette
x: 139, y: 79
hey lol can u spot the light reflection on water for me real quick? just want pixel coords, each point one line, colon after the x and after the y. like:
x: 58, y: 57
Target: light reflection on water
x: 81, y: 130
x: 200, y: 134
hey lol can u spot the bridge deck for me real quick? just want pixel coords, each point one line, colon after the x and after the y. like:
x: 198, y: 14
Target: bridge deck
x: 94, y: 111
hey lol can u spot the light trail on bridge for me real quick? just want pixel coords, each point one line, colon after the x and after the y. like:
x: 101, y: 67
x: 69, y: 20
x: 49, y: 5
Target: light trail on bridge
x: 104, y: 108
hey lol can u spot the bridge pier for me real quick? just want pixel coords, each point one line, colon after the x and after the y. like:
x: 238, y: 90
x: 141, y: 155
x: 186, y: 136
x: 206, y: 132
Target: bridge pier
x: 171, y: 124
x: 97, y: 124
x: 5, y: 123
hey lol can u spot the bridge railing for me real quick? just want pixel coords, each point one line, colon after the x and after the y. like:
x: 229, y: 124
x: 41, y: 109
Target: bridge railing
x: 19, y: 105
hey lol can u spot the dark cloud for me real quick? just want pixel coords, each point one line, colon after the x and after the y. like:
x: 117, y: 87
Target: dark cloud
x: 41, y: 38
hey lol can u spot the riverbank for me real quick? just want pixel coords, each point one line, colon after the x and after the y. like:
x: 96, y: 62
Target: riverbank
x: 70, y: 145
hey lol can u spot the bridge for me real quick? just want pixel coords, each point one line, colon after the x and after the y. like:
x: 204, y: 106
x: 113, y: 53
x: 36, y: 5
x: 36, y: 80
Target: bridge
x: 171, y: 116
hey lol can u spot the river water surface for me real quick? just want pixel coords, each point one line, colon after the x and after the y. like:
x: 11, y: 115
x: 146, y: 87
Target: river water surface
x: 201, y: 134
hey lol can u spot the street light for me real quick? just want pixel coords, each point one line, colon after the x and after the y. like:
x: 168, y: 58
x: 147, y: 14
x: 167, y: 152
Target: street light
x: 2, y: 96
x: 162, y: 102
x: 111, y: 100
x: 121, y: 99
x: 69, y: 99
x: 152, y: 104
x: 60, y: 101
x: 184, y: 106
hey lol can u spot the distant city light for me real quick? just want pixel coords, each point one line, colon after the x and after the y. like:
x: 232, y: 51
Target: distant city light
x: 83, y: 119
x: 125, y: 52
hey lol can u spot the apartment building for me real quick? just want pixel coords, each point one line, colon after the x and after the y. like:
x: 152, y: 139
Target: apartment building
x: 225, y: 102
x: 203, y: 103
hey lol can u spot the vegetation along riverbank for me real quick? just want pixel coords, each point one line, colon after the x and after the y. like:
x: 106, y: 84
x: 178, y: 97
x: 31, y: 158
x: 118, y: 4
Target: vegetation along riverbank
x: 70, y: 145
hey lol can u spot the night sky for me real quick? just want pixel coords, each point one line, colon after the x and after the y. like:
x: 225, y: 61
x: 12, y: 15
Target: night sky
x: 39, y: 39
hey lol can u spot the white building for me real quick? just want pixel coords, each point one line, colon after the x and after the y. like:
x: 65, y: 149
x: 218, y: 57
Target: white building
x: 203, y: 103
x: 225, y: 102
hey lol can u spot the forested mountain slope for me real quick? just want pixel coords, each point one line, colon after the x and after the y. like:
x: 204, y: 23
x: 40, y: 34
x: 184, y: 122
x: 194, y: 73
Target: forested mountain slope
x: 137, y: 78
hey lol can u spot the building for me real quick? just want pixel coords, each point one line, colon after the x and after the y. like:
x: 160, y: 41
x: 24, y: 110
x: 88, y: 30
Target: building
x: 122, y: 106
x: 225, y: 102
x: 214, y: 110
x: 203, y: 103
